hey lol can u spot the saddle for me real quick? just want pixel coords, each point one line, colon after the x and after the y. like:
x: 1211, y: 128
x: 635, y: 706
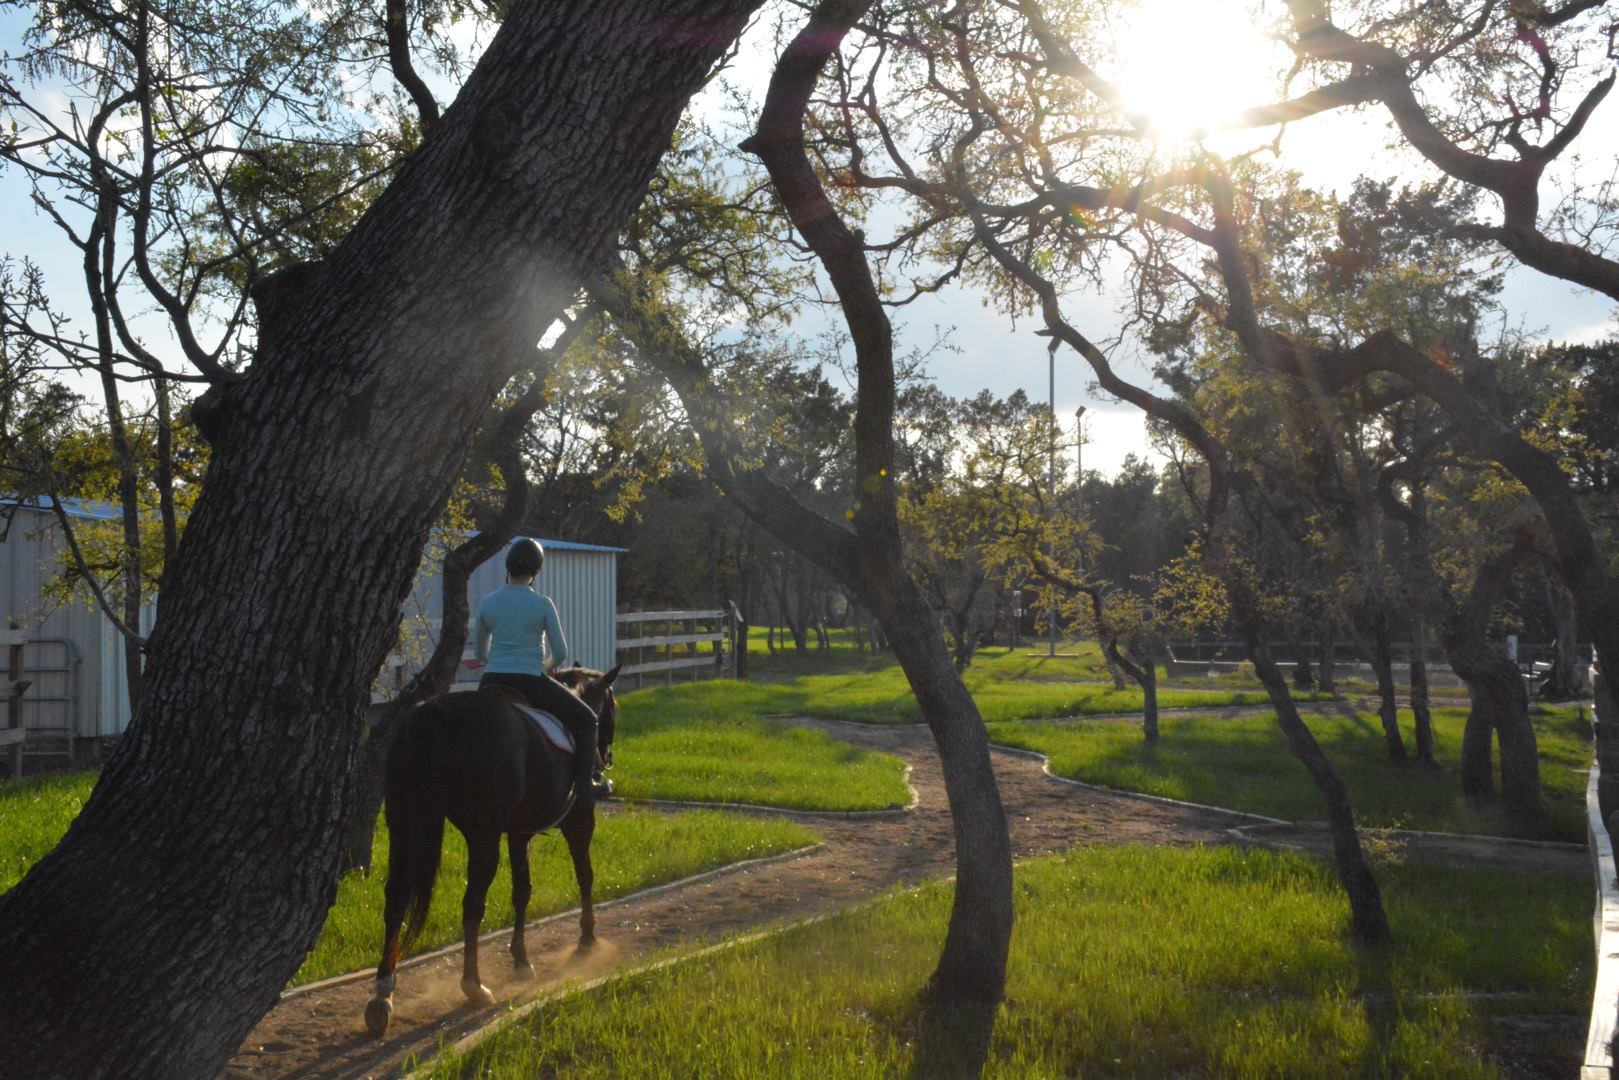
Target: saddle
x: 550, y: 726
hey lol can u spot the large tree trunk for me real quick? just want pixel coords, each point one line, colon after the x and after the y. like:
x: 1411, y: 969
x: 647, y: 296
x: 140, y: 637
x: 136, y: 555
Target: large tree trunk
x: 198, y: 874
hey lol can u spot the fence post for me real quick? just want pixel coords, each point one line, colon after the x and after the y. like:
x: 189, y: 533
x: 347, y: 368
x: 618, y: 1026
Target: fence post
x: 739, y: 643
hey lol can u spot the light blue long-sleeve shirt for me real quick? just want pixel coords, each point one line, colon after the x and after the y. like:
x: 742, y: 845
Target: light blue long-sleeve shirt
x: 518, y: 629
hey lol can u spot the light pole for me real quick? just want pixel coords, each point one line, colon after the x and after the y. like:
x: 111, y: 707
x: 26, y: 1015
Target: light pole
x: 1051, y: 479
x: 1079, y: 459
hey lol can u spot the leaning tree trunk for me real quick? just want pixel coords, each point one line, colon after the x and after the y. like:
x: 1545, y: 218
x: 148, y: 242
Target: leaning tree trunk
x: 971, y: 972
x: 1367, y: 915
x: 455, y: 617
x: 199, y: 872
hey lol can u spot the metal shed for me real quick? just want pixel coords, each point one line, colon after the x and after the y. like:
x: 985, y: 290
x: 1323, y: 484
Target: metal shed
x: 72, y: 654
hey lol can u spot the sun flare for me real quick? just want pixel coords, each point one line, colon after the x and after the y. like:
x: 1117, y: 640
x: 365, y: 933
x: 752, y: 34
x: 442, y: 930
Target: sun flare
x: 1189, y: 67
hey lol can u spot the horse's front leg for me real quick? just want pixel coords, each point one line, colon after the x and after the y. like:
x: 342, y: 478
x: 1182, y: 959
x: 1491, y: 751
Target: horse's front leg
x: 483, y: 858
x: 517, y: 850
x: 577, y: 829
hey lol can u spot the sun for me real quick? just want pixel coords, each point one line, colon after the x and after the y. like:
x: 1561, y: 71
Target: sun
x: 1188, y: 68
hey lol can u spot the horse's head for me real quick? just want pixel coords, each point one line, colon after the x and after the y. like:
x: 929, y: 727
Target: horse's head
x: 595, y: 688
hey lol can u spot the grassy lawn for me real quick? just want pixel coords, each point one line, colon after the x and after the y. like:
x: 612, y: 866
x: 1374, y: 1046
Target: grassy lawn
x: 632, y: 850
x: 1125, y: 962
x: 706, y: 742
x: 34, y: 813
x: 1245, y: 764
x: 1007, y: 686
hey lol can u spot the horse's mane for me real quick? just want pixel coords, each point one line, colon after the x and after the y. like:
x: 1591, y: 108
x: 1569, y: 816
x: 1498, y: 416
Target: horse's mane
x: 574, y: 678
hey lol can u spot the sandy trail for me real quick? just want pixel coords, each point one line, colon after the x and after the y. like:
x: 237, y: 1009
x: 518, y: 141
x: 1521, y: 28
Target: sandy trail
x: 321, y: 1033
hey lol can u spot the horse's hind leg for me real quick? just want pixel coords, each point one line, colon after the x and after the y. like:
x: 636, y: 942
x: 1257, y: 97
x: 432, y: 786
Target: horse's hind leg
x: 577, y: 829
x: 522, y: 889
x: 379, y: 1010
x: 483, y: 858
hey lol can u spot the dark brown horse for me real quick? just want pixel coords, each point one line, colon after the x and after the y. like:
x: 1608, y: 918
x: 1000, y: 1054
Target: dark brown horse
x: 478, y: 762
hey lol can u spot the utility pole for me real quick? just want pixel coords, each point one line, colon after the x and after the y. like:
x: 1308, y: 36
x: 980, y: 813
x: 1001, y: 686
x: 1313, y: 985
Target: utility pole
x: 1079, y: 459
x: 1051, y: 476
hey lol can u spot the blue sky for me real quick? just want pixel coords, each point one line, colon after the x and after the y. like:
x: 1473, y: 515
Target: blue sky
x: 990, y: 352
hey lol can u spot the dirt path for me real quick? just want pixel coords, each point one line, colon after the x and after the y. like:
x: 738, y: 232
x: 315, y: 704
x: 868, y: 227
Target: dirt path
x: 321, y: 1033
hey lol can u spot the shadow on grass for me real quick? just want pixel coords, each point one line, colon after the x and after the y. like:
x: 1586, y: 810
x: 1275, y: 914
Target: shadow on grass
x: 1377, y: 994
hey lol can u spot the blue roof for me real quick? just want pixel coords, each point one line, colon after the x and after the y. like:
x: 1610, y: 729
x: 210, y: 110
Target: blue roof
x: 569, y: 545
x: 84, y: 509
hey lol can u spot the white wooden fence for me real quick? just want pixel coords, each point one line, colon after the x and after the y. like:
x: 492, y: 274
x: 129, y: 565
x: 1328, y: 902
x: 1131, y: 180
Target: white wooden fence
x: 692, y: 644
x: 1599, y: 1045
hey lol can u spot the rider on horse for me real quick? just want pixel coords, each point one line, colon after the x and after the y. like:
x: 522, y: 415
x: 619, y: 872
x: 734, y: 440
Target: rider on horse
x: 520, y: 638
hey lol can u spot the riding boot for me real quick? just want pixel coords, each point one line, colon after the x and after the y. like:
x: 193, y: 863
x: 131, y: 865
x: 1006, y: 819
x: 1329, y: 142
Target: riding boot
x: 584, y: 768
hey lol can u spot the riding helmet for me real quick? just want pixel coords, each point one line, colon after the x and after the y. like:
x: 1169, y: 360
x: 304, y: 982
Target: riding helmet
x: 524, y: 558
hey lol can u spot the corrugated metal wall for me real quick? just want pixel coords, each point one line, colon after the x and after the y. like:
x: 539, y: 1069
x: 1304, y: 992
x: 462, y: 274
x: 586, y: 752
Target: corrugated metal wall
x: 584, y: 586
x: 67, y: 648
x: 581, y: 580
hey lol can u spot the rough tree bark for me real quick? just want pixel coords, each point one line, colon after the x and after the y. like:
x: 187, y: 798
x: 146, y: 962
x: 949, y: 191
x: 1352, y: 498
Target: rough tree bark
x: 198, y: 874
x: 500, y: 445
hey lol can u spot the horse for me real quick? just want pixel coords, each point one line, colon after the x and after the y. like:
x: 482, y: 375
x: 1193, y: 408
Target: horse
x: 475, y: 760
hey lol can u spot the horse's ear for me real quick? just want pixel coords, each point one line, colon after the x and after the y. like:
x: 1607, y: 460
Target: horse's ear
x: 607, y: 679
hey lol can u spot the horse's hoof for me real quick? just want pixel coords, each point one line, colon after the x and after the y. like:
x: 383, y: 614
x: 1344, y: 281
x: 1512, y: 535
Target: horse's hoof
x: 587, y: 941
x: 524, y: 969
x: 477, y: 993
x: 378, y: 1011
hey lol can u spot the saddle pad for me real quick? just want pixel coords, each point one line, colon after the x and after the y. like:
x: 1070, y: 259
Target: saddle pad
x: 549, y: 724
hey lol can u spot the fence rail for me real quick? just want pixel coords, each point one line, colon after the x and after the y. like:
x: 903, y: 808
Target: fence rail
x: 670, y: 642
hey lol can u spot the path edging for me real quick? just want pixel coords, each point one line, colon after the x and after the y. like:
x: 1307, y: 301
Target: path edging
x: 484, y: 939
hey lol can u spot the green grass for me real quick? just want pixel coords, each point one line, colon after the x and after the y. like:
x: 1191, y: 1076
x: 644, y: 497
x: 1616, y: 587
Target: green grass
x: 706, y: 742
x: 632, y: 850
x: 1244, y: 764
x: 1125, y: 962
x: 34, y: 813
x: 1007, y: 686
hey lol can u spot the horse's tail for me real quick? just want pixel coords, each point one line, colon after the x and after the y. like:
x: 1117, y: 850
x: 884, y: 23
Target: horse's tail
x: 415, y: 814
